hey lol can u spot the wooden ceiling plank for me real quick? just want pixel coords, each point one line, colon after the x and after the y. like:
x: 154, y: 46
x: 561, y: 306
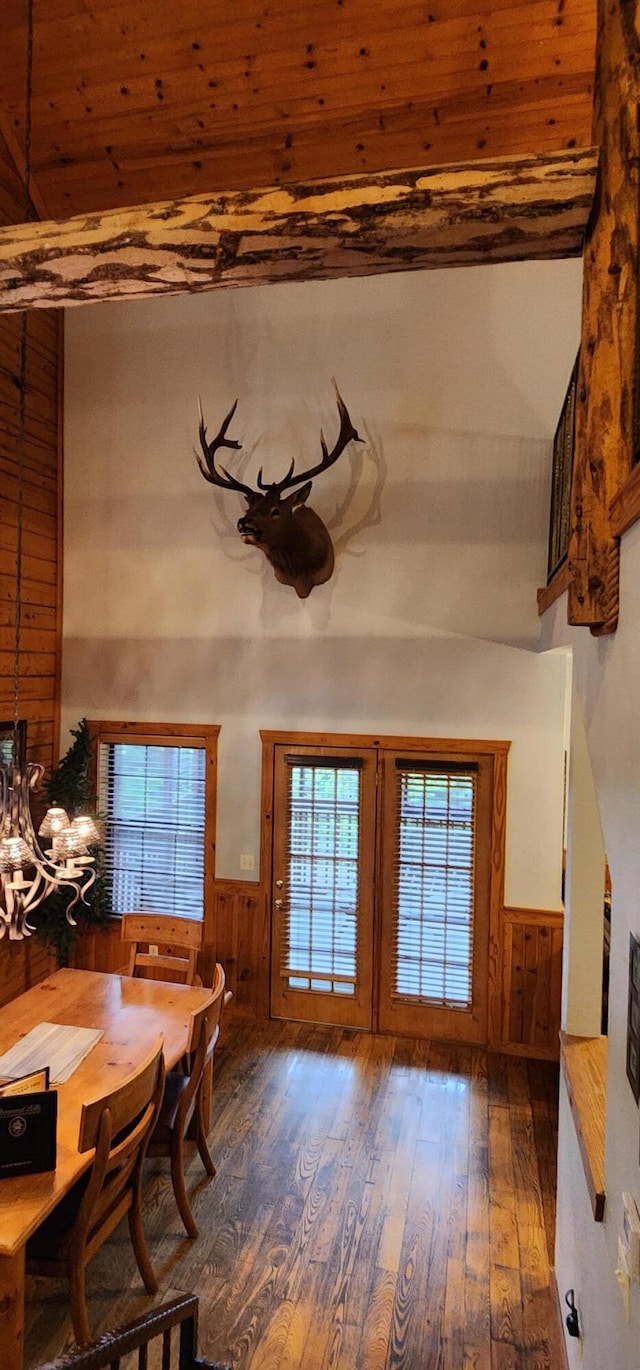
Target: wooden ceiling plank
x: 242, y: 19
x: 121, y: 133
x: 193, y: 132
x: 237, y: 165
x: 107, y: 63
x: 489, y: 211
x: 538, y: 106
x: 117, y: 82
x: 523, y: 46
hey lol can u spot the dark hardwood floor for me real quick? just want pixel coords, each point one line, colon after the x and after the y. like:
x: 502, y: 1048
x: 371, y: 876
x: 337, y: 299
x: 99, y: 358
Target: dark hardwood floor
x: 379, y: 1204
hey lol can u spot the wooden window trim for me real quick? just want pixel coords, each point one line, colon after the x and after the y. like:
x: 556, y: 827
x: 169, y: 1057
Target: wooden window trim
x: 624, y: 511
x: 187, y: 734
x: 498, y: 750
x: 559, y: 582
x: 584, y: 1067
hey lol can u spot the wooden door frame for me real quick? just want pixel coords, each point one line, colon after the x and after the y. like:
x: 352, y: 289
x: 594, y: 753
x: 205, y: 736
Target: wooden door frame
x: 498, y: 751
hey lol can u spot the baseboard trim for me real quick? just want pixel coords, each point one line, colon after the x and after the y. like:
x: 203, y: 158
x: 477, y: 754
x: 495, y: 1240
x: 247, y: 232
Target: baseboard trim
x: 557, y: 1304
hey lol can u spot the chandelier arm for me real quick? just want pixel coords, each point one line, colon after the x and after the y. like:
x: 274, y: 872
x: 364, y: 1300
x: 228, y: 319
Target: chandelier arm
x: 49, y: 881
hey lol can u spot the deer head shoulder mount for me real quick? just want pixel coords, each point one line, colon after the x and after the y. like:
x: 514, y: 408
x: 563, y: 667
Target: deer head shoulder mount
x: 295, y: 541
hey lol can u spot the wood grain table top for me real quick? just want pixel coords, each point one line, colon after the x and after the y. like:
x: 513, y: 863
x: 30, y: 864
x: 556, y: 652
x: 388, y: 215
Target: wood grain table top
x: 133, y: 1014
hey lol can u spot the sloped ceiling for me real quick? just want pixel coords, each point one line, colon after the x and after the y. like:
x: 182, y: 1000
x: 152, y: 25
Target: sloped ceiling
x: 136, y: 100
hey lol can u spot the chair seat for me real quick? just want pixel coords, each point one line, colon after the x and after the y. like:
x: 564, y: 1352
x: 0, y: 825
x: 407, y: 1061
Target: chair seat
x: 52, y: 1239
x: 174, y: 1088
x: 114, y: 1126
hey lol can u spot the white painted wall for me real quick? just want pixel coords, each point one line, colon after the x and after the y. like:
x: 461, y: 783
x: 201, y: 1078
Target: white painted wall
x: 455, y: 380
x: 607, y: 676
x: 584, y: 889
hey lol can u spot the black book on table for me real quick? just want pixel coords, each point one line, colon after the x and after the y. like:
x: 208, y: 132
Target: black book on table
x: 28, y: 1133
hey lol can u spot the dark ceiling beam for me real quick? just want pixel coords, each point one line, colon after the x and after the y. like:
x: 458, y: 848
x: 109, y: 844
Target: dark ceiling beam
x: 478, y: 212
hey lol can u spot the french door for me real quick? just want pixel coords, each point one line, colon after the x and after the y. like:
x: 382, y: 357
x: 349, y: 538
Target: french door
x: 435, y: 889
x: 323, y: 865
x: 381, y: 889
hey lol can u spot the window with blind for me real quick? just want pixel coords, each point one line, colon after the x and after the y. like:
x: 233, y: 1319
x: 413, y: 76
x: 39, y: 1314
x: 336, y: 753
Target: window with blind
x: 153, y: 794
x: 435, y: 836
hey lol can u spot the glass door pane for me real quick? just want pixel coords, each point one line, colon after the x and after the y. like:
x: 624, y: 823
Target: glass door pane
x: 323, y: 885
x: 435, y: 883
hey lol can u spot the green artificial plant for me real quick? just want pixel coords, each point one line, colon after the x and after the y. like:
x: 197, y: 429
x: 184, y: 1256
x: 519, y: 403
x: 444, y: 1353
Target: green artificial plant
x: 70, y: 785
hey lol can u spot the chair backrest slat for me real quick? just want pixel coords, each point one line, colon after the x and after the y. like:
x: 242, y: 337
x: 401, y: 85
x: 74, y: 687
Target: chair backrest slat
x: 170, y: 935
x: 119, y: 1125
x: 125, y: 1103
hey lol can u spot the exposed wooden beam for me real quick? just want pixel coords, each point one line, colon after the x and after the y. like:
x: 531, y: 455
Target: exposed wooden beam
x: 505, y: 210
x: 606, y: 381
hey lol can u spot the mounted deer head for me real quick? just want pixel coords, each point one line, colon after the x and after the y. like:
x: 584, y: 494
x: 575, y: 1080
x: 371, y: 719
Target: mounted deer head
x: 293, y: 538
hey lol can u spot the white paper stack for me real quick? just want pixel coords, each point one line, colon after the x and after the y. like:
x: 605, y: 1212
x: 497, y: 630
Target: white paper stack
x: 54, y: 1045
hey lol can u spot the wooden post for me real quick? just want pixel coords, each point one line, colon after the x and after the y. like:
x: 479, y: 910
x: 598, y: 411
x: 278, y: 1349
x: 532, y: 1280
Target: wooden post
x: 605, y: 396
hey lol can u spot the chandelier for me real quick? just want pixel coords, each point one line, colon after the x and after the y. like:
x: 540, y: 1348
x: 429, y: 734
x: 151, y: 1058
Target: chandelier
x: 27, y: 872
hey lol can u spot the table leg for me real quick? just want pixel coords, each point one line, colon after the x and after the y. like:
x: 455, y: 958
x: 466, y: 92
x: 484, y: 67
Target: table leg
x: 12, y: 1310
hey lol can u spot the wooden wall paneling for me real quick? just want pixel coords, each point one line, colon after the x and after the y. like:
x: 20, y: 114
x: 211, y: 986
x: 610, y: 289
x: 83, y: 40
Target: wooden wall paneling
x: 22, y: 964
x: 242, y: 937
x: 530, y: 982
x: 99, y: 948
x: 479, y: 212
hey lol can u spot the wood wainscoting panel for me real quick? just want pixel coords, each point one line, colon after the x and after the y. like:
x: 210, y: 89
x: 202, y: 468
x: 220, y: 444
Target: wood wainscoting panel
x: 242, y: 944
x: 531, y: 980
x: 240, y: 941
x: 22, y: 965
x: 99, y: 948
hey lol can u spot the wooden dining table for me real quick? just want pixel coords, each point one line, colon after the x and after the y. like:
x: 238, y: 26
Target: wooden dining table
x: 132, y: 1014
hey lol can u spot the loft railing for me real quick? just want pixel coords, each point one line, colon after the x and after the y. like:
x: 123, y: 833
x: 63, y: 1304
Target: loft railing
x: 563, y: 446
x: 110, y: 1349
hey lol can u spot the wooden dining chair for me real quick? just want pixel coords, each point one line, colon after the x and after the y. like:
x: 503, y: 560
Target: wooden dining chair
x: 169, y: 936
x: 184, y: 1100
x: 118, y: 1125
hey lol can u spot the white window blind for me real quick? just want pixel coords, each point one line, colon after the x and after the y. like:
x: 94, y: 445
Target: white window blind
x: 153, y: 798
x: 320, y: 946
x: 434, y: 882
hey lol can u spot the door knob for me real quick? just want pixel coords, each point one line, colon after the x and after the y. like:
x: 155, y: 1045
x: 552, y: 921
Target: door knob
x: 279, y: 884
x: 279, y: 903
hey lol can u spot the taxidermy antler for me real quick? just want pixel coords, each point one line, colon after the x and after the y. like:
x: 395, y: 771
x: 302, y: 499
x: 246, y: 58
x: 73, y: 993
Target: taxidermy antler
x: 293, y: 537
